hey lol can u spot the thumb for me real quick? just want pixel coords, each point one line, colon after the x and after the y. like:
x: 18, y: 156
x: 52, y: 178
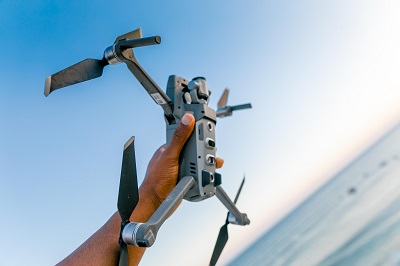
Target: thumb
x: 181, y: 134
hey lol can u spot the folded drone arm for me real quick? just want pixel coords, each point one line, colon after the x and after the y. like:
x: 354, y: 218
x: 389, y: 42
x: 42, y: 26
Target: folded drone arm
x: 144, y: 234
x: 240, y: 218
x: 151, y: 87
x: 121, y: 52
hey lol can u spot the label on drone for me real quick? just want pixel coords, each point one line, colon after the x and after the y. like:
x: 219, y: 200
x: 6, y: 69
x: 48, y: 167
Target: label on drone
x: 158, y: 99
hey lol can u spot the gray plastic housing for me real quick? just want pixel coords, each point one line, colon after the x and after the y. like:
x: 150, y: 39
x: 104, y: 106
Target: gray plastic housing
x: 198, y: 156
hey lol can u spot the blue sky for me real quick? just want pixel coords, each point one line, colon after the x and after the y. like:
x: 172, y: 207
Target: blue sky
x: 323, y: 79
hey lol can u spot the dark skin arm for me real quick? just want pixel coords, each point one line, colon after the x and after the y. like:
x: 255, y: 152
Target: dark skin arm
x: 102, y: 247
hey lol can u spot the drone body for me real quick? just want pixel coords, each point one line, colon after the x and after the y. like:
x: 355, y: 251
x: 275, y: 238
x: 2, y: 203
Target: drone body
x: 198, y: 179
x: 198, y: 157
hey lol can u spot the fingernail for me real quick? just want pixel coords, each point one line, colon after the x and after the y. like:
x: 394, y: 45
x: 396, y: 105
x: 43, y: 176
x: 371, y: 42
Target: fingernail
x: 186, y: 119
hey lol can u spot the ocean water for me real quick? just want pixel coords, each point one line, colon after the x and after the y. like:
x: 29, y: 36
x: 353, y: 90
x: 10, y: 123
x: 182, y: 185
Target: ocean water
x: 354, y: 219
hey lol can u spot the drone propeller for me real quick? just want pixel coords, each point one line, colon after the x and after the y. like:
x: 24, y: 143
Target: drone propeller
x: 85, y: 70
x: 135, y: 34
x: 82, y: 71
x: 128, y: 195
x: 223, y: 233
x: 225, y: 110
x: 224, y: 99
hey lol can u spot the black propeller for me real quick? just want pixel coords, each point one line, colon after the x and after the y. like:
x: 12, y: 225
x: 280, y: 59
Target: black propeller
x: 223, y: 233
x: 128, y: 195
x: 85, y: 70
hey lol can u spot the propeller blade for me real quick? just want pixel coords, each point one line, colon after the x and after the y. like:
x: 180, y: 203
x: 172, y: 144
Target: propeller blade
x: 224, y: 98
x: 123, y: 255
x: 135, y: 34
x: 240, y: 189
x: 223, y: 232
x: 128, y: 195
x: 241, y: 107
x: 221, y: 242
x: 82, y: 71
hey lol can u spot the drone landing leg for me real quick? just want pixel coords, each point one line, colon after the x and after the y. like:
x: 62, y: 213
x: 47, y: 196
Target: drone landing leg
x: 239, y: 218
x: 144, y: 234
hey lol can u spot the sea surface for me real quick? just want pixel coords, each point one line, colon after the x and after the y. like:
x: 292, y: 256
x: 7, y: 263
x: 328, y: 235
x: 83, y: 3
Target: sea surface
x: 354, y: 219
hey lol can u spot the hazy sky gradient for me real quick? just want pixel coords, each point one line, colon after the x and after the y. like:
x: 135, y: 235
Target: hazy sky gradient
x: 323, y: 79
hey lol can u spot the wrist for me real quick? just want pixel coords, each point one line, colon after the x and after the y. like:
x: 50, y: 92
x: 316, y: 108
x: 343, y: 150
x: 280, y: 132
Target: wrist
x: 147, y: 205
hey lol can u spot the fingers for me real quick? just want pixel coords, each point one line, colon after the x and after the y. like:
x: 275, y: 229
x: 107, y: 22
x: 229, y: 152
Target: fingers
x: 180, y: 136
x: 219, y: 163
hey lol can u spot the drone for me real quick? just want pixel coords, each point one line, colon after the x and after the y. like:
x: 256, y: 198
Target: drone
x: 197, y: 179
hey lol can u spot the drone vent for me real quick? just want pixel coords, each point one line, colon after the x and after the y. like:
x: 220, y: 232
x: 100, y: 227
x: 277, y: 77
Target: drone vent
x: 193, y: 168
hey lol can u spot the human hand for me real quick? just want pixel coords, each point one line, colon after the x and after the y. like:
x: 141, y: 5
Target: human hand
x: 162, y: 171
x: 161, y: 177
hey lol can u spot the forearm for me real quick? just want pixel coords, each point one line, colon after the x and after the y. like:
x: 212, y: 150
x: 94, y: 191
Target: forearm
x: 102, y: 247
